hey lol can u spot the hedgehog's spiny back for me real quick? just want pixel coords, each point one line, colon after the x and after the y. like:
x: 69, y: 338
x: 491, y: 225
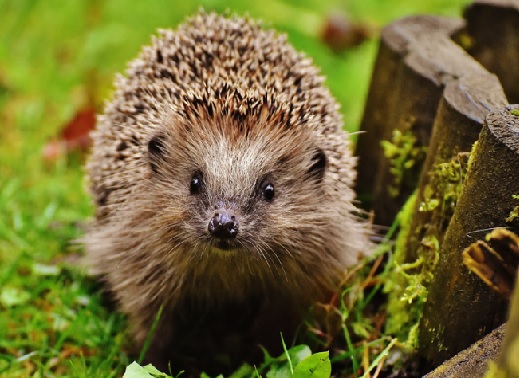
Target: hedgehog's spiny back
x: 211, y: 51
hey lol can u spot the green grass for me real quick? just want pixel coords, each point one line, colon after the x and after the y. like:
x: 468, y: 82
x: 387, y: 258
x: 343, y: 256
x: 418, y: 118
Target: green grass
x: 56, y: 57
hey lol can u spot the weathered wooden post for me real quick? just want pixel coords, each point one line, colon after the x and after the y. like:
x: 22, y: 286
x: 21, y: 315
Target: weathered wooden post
x: 460, y: 308
x: 463, y: 107
x: 495, y: 261
x: 407, y: 83
x: 493, y: 40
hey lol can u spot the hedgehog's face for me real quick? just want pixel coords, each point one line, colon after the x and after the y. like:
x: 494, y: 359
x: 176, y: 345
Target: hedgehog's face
x: 258, y: 195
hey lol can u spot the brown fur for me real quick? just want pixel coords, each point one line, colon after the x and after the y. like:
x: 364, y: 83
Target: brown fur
x: 239, y: 104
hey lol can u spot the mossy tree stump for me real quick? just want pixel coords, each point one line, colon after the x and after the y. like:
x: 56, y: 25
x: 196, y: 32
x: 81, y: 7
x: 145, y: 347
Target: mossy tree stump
x: 460, y: 308
x: 461, y: 113
x: 463, y: 107
x: 407, y: 83
x: 411, y: 69
x: 417, y: 59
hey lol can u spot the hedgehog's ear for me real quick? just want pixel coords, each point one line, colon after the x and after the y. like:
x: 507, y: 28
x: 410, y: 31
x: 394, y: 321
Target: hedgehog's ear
x: 318, y: 166
x: 156, y: 151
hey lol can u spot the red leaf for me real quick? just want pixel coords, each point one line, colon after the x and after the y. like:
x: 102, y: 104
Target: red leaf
x: 75, y: 135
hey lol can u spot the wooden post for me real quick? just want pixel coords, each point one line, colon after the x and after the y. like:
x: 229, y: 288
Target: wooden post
x: 460, y: 308
x: 403, y: 95
x: 464, y: 105
x: 416, y: 59
x: 472, y: 362
x: 492, y: 28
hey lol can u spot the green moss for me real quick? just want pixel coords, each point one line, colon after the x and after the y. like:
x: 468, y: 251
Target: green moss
x: 514, y: 112
x: 404, y: 289
x: 514, y: 213
x: 494, y: 371
x: 464, y: 40
x: 407, y: 287
x: 442, y: 192
x: 403, y: 155
x: 472, y: 156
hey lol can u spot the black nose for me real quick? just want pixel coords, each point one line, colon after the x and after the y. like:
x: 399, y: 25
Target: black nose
x: 223, y: 225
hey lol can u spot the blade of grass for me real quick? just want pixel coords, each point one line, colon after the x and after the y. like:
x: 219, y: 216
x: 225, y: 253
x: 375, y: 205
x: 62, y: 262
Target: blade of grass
x: 377, y: 360
x: 287, y: 354
x: 150, y: 335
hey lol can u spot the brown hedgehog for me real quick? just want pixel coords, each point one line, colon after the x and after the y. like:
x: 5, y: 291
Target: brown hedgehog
x: 223, y: 187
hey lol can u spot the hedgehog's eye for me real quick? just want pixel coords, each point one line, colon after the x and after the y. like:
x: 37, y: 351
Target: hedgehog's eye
x: 196, y: 183
x: 268, y: 191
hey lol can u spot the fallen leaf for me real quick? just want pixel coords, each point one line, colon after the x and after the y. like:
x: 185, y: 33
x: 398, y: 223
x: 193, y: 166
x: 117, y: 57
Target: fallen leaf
x: 75, y: 135
x: 495, y: 260
x: 340, y: 34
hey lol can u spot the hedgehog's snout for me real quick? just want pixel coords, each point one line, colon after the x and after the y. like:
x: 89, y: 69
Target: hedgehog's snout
x: 223, y: 224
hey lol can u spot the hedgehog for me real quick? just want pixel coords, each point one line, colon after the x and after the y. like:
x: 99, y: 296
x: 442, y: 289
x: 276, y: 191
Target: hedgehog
x: 222, y: 182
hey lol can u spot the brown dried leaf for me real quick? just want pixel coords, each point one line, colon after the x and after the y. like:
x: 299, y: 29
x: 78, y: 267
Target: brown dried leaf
x: 495, y: 260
